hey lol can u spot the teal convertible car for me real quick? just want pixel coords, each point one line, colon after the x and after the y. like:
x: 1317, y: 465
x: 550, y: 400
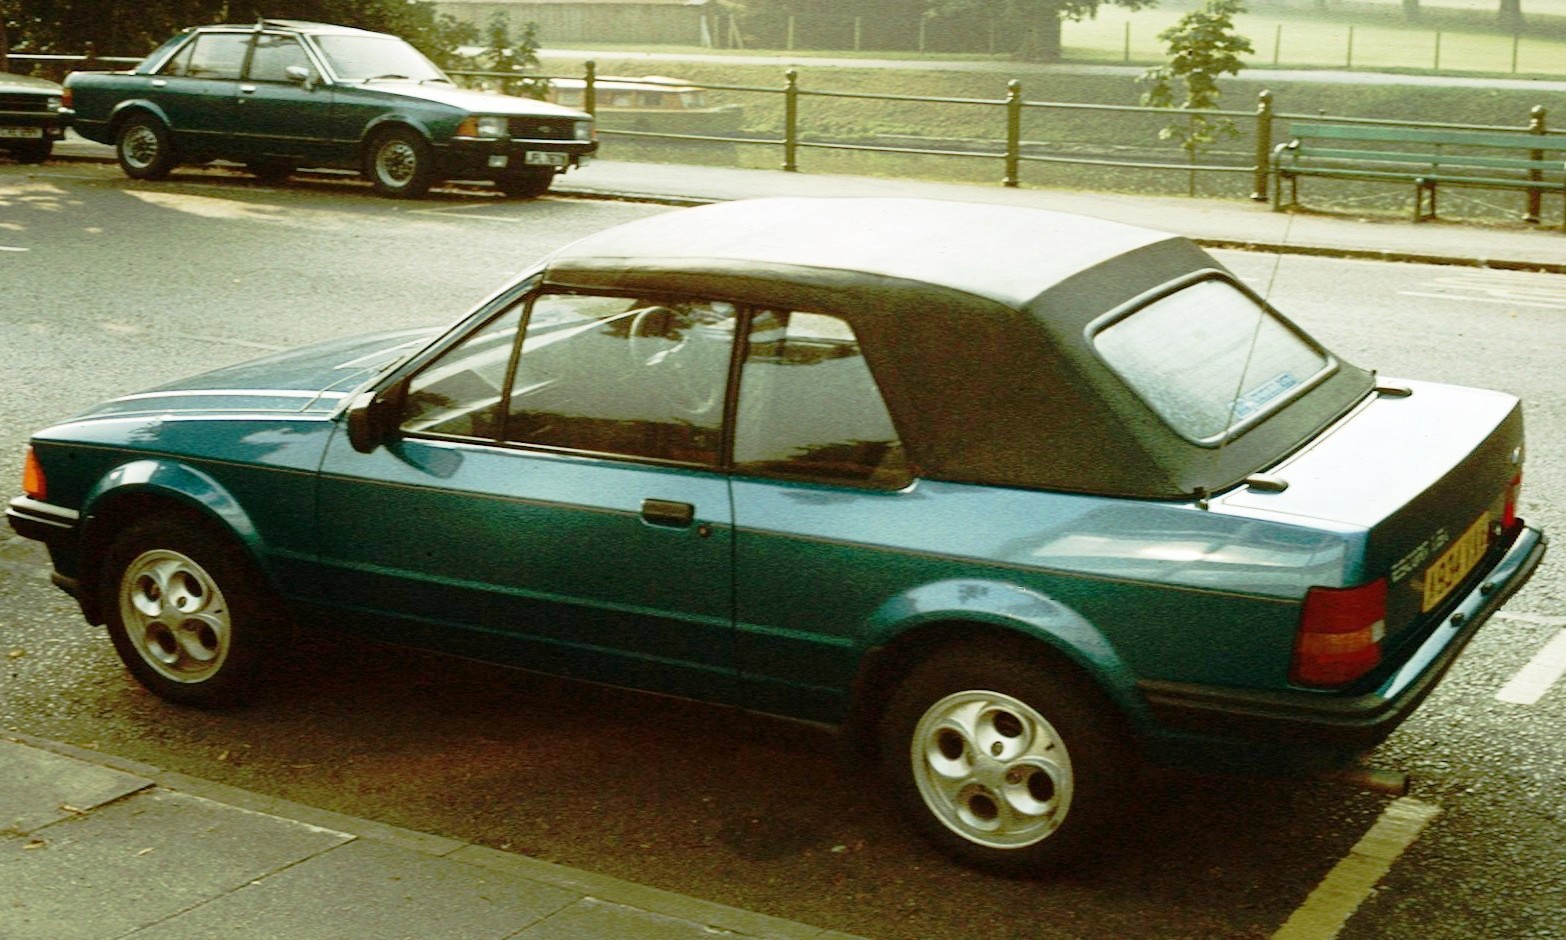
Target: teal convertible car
x: 1016, y: 498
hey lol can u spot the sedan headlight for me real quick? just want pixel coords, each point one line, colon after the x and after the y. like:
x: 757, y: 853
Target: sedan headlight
x: 492, y: 127
x: 53, y: 103
x: 583, y: 130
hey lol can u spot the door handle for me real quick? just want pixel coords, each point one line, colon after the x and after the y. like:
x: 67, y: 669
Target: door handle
x: 159, y: 83
x: 248, y: 89
x: 668, y: 513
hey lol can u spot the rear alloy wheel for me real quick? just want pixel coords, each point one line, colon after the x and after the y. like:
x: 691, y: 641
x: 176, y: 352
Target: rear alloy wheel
x: 1001, y: 763
x: 400, y: 164
x: 525, y: 184
x: 186, y: 612
x: 143, y: 148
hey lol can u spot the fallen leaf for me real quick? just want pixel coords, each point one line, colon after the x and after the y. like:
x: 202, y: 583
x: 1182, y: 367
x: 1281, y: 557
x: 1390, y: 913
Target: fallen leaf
x: 146, y: 851
x: 73, y: 809
x: 35, y: 844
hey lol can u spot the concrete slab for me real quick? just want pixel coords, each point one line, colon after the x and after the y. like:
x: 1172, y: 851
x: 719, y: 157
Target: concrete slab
x: 592, y: 919
x: 371, y: 889
x: 140, y: 861
x: 38, y: 789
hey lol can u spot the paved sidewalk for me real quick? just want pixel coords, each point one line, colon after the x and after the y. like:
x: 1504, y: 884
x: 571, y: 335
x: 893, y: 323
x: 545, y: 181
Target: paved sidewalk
x: 98, y: 848
x: 1213, y: 222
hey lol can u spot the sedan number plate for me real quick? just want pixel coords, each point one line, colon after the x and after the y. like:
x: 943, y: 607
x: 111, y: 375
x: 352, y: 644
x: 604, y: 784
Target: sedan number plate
x: 544, y: 158
x: 1446, y: 572
x: 21, y: 132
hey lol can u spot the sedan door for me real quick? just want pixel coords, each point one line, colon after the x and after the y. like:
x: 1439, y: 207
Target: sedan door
x: 278, y: 117
x: 197, y: 90
x: 561, y: 507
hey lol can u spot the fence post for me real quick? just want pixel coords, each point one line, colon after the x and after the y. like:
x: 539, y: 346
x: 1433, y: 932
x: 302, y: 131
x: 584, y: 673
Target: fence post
x: 790, y: 120
x: 1013, y: 132
x: 1127, y: 56
x: 1438, y: 51
x: 1277, y: 44
x: 789, y: 43
x: 858, y: 31
x: 590, y: 89
x: 1263, y: 145
x: 1535, y: 126
x: 1350, y: 48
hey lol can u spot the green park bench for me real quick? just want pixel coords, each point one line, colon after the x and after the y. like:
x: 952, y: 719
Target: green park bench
x: 1425, y: 157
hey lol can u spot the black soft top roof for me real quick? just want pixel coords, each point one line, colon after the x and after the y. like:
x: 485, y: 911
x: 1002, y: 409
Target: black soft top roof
x: 977, y: 320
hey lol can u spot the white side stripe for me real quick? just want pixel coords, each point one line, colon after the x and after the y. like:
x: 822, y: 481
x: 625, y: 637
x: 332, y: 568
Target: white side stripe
x: 1351, y: 880
x: 1536, y: 678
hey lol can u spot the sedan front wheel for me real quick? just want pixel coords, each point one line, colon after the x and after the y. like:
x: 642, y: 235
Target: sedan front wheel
x: 400, y: 164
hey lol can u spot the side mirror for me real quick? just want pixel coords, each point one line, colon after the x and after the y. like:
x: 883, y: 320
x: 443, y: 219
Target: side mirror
x: 368, y: 419
x: 299, y: 75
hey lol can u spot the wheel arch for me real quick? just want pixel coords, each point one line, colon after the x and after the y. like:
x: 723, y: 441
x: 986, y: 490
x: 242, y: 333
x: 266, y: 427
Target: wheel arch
x: 140, y: 489
x: 910, y: 629
x: 128, y: 109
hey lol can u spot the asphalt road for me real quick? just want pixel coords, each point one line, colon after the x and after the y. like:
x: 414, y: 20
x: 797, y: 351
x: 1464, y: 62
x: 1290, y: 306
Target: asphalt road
x: 109, y: 287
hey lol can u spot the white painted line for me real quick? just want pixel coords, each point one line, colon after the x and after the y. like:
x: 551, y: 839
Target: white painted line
x: 1351, y: 880
x: 9, y: 248
x: 1469, y: 298
x: 1536, y: 678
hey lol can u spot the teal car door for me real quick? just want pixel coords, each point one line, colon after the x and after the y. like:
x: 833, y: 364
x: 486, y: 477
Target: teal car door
x: 197, y: 89
x: 556, y: 502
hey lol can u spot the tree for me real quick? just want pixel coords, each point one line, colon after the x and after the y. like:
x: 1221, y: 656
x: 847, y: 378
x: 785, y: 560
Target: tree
x: 503, y: 53
x: 1202, y: 47
x: 135, y: 27
x: 1040, y: 37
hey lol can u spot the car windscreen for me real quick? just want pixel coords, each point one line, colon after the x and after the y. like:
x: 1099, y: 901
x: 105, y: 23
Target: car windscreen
x: 1210, y: 359
x: 366, y: 58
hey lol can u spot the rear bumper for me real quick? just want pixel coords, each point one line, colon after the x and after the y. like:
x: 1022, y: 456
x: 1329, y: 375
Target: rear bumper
x: 1350, y: 719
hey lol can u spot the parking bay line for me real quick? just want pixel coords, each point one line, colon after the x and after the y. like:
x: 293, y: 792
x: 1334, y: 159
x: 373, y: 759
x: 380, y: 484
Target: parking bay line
x: 1535, y: 679
x: 1351, y: 880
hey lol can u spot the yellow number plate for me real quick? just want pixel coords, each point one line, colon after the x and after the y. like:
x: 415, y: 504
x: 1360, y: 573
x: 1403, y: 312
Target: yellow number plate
x: 1446, y: 572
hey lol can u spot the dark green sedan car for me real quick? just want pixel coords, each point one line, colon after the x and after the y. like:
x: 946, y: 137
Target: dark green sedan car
x: 284, y: 94
x: 1016, y: 498
x: 30, y: 119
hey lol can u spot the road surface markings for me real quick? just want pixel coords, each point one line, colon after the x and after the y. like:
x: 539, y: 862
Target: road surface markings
x: 9, y: 248
x: 1536, y: 678
x: 1351, y: 880
x: 1516, y: 289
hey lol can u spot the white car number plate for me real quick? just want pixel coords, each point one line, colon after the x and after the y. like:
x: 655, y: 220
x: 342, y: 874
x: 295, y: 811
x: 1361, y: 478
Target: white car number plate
x: 544, y: 158
x: 21, y: 132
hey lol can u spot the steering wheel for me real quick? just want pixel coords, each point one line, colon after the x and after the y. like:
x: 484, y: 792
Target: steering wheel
x: 663, y: 340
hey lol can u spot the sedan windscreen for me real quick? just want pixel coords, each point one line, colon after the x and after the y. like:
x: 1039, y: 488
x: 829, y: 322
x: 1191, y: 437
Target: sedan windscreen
x: 365, y: 58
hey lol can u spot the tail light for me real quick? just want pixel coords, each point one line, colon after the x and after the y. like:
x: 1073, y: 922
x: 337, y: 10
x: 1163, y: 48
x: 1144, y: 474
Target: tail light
x: 1509, y: 512
x: 33, y: 476
x: 1340, y: 634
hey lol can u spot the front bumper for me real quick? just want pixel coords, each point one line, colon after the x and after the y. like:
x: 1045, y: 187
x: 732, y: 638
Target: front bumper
x: 1348, y: 719
x: 483, y: 158
x: 53, y: 526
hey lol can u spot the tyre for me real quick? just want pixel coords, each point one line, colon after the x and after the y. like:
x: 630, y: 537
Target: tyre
x: 32, y: 151
x: 186, y: 612
x: 143, y: 147
x: 400, y: 164
x: 1003, y: 762
x: 525, y: 184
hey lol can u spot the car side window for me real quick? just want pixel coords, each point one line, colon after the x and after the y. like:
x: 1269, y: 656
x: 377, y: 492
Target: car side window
x: 460, y: 393
x: 273, y: 55
x: 211, y: 55
x: 809, y: 407
x: 636, y: 377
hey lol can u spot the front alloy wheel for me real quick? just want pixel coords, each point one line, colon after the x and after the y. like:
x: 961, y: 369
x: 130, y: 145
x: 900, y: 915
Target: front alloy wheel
x: 186, y: 611
x: 400, y: 164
